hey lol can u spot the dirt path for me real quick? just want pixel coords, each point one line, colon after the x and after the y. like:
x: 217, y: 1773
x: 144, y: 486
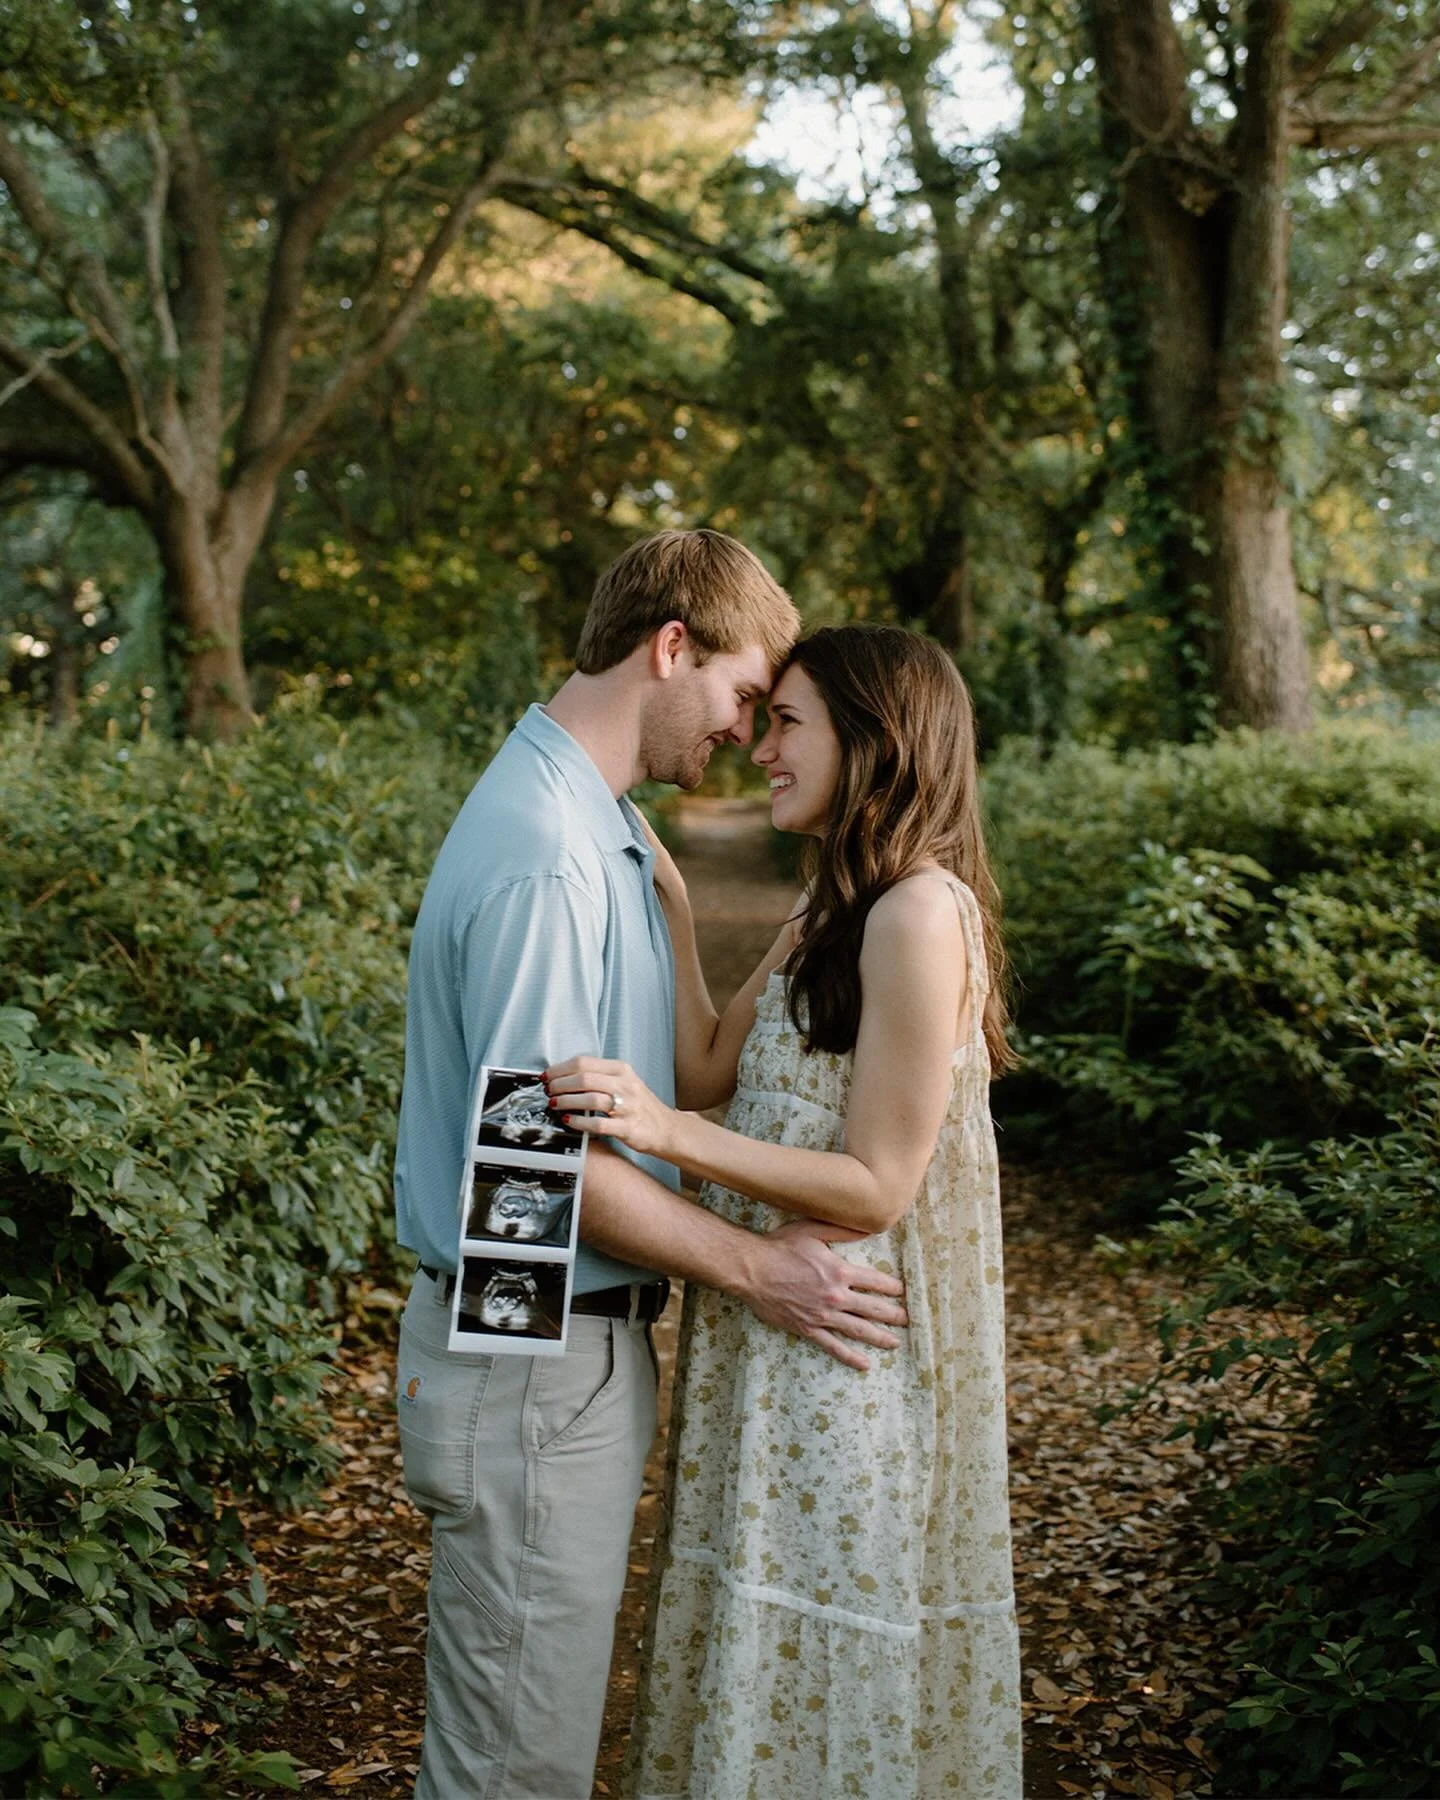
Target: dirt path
x: 1118, y: 1650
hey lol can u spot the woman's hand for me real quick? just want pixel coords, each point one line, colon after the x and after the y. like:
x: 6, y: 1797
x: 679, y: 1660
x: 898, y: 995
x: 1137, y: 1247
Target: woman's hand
x: 608, y: 1099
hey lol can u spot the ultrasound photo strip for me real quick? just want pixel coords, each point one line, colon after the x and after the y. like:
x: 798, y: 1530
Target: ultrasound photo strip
x: 511, y: 1306
x: 512, y: 1120
x: 519, y: 1221
x: 515, y: 1204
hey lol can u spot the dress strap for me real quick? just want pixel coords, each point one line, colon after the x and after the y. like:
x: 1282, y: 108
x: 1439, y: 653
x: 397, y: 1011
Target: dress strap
x: 973, y: 927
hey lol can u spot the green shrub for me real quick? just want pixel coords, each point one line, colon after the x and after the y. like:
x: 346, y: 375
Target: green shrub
x: 1199, y: 932
x: 98, y: 1673
x: 201, y: 1032
x: 1240, y: 942
x: 1339, y: 1247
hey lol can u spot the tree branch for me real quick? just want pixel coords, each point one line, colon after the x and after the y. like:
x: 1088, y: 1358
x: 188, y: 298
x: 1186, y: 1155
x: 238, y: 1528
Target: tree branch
x: 1338, y: 33
x: 45, y: 357
x: 195, y: 208
x: 1415, y: 81
x: 84, y: 269
x: 661, y: 221
x: 549, y: 201
x: 330, y: 187
x: 1318, y: 132
x: 152, y: 225
x: 590, y: 204
x: 300, y: 225
x: 81, y: 267
x: 356, y: 370
x: 126, y: 467
x: 940, y: 190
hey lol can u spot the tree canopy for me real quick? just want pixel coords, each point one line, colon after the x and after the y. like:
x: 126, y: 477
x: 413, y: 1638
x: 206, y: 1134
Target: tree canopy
x: 380, y: 318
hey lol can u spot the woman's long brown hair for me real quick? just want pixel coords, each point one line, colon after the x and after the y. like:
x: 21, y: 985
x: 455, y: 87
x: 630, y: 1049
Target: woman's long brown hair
x: 907, y: 794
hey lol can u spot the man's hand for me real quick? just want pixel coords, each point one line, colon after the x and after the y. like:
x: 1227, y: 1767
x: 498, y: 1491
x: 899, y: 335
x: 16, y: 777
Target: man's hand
x: 802, y: 1286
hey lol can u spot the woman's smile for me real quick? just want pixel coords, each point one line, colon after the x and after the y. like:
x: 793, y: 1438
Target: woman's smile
x: 802, y: 787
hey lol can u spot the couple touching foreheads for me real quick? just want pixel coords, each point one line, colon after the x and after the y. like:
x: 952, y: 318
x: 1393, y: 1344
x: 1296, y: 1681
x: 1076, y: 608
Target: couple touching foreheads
x: 831, y: 1609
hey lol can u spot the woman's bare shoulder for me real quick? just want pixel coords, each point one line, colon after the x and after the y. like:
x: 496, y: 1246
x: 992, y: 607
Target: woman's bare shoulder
x: 918, y: 907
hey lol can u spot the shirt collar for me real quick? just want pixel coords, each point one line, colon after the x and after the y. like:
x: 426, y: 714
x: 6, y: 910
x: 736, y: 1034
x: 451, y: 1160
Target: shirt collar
x: 616, y: 823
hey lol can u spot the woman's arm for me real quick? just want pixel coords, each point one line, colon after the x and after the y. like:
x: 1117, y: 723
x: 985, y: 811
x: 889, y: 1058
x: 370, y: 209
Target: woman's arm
x: 707, y: 1043
x: 912, y: 978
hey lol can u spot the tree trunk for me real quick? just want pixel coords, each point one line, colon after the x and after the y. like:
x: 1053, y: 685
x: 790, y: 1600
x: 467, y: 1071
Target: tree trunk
x: 1197, y: 283
x: 167, y: 341
x: 1263, y: 677
x: 1160, y: 263
x: 1263, y: 668
x: 205, y: 567
x: 1059, y: 552
x: 940, y: 588
x: 64, y: 671
x: 937, y: 588
x: 952, y: 617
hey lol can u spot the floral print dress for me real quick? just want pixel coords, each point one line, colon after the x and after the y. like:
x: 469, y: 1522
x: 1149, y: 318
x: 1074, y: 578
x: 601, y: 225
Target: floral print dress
x: 831, y: 1611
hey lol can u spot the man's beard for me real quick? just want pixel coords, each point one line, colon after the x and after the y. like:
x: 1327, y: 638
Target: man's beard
x: 675, y: 750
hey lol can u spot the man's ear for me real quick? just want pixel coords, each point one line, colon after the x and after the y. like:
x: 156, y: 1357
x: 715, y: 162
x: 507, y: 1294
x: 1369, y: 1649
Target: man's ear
x: 666, y: 648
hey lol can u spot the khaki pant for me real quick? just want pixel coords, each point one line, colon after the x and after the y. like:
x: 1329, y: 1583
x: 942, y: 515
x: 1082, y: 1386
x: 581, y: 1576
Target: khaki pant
x: 529, y: 1469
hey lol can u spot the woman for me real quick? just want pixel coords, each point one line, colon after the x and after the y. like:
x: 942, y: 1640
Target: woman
x: 832, y: 1609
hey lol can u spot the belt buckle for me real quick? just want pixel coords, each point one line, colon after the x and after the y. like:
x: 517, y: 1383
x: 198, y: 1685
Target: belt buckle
x: 632, y: 1318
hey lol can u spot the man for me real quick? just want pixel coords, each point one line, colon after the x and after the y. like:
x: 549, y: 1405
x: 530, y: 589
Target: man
x: 540, y: 937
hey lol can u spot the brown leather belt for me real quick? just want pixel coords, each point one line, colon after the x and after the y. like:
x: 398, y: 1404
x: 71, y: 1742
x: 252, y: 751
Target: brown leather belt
x: 640, y: 1302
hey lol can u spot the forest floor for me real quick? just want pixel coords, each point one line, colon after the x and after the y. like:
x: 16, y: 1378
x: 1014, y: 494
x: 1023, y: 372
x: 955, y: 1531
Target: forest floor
x: 1123, y: 1666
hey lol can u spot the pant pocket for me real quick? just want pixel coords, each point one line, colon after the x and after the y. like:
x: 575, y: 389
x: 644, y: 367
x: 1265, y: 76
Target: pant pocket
x: 467, y: 1656
x: 438, y: 1403
x: 567, y: 1391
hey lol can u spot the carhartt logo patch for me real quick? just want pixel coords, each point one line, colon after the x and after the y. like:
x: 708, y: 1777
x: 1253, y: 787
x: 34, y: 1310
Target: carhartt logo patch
x: 410, y: 1386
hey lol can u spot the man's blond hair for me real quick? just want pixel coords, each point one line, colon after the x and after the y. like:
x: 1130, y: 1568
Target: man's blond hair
x: 719, y: 591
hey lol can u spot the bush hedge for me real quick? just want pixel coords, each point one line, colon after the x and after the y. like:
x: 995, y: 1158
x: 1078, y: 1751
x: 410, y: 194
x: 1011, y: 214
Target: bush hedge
x: 1201, y: 932
x: 201, y: 1010
x: 201, y: 1030
x: 1230, y: 955
x: 1338, y: 1248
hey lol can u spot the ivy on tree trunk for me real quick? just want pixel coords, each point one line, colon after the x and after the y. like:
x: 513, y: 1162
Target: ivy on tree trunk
x: 1197, y: 265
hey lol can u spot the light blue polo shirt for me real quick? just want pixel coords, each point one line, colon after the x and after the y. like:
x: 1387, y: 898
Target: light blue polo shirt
x: 539, y: 938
